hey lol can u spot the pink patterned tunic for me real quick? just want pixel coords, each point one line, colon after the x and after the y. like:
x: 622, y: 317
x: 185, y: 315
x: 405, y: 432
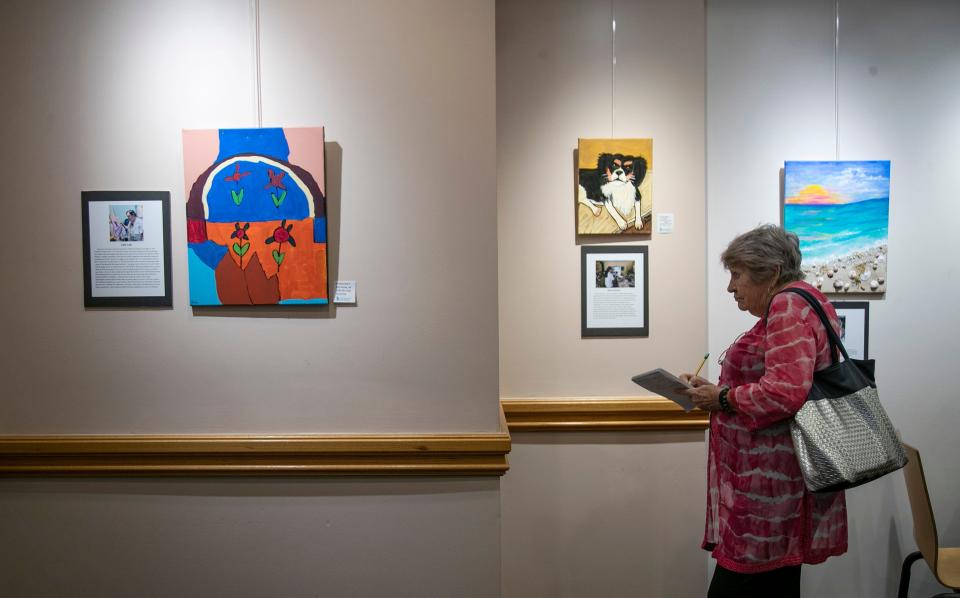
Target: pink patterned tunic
x: 760, y: 515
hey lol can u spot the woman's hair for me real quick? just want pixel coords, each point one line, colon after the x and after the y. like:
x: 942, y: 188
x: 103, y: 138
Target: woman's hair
x: 764, y: 249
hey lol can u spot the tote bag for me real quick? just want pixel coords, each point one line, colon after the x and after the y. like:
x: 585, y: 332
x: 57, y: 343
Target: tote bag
x: 842, y: 435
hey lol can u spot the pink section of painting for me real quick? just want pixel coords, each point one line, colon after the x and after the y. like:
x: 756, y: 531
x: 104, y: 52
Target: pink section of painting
x: 200, y: 149
x: 306, y: 151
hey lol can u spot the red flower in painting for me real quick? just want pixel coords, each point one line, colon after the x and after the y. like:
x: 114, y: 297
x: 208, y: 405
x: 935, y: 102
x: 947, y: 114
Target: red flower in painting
x: 236, y: 176
x: 276, y: 179
x: 240, y: 233
x: 282, y: 235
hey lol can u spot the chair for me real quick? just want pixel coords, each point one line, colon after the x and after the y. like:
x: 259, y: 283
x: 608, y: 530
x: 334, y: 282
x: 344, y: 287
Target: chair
x: 944, y: 562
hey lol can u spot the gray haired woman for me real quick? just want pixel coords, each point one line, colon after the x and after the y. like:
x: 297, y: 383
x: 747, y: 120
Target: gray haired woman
x: 762, y: 522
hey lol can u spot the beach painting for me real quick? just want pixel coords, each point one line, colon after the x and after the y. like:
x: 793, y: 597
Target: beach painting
x: 256, y: 216
x: 840, y: 211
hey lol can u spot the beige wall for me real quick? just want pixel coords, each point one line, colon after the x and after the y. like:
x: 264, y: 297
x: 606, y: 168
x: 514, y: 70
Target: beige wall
x: 96, y: 97
x: 604, y: 514
x: 553, y: 87
x: 598, y: 514
x: 406, y: 93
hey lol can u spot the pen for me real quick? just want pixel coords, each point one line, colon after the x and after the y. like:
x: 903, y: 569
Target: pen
x: 700, y: 367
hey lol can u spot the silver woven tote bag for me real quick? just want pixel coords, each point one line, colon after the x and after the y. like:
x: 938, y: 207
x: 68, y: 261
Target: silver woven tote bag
x: 842, y: 436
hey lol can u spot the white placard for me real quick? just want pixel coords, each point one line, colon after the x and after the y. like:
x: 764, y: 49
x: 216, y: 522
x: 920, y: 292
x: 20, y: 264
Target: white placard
x: 346, y: 292
x: 614, y: 292
x: 664, y: 224
x: 126, y: 267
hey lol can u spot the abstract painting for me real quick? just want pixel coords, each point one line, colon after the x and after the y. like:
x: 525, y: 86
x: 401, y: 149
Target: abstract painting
x: 840, y: 211
x: 256, y: 216
x: 614, y: 186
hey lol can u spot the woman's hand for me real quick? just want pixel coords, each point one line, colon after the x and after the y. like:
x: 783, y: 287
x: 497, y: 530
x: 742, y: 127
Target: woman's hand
x: 694, y: 380
x: 705, y: 396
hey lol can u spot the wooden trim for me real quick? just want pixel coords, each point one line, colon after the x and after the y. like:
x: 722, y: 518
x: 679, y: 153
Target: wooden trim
x: 601, y: 413
x: 313, y: 455
x: 374, y: 455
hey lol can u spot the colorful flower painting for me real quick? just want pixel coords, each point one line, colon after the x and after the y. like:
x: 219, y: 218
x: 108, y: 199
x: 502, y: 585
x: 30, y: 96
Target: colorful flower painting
x: 256, y: 216
x: 840, y: 211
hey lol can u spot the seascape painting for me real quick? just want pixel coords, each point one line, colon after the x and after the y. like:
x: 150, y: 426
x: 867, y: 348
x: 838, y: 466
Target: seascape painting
x: 840, y: 211
x: 614, y: 186
x: 256, y: 216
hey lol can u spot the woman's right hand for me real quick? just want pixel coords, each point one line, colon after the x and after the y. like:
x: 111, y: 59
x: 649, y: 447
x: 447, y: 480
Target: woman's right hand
x: 693, y: 380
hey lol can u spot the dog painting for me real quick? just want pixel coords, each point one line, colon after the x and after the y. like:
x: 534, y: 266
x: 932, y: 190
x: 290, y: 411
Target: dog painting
x: 614, y: 190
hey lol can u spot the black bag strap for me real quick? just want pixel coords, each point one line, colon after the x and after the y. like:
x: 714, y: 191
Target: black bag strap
x: 835, y: 342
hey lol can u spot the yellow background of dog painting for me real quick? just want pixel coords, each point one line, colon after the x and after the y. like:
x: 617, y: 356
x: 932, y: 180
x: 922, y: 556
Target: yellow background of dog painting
x: 591, y: 148
x: 604, y: 224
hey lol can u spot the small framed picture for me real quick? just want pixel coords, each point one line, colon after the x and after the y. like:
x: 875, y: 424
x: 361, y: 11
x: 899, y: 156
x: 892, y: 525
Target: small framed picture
x: 614, y: 291
x: 854, y: 326
x: 126, y: 249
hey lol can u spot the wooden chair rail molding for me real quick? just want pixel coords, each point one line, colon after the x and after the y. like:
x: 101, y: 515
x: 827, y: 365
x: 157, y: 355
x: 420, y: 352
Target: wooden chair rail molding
x: 466, y: 454
x: 313, y: 455
x: 599, y: 413
x: 287, y: 455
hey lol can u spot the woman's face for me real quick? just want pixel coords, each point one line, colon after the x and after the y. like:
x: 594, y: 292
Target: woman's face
x: 749, y: 295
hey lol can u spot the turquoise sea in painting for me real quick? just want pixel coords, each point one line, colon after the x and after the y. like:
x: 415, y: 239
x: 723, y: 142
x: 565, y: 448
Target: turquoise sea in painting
x: 835, y: 230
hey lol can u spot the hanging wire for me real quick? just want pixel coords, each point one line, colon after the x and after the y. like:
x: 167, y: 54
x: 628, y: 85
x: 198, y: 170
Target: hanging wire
x: 836, y: 81
x: 613, y: 67
x: 256, y: 20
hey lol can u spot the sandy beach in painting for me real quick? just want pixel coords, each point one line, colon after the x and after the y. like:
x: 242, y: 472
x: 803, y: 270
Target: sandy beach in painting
x: 862, y: 271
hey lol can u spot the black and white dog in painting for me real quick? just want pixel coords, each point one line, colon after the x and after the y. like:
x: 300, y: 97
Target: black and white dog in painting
x: 615, y: 185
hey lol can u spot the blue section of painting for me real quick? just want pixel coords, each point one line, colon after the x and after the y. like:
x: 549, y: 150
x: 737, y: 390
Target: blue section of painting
x: 210, y: 253
x: 304, y: 302
x: 319, y: 230
x: 257, y: 196
x: 266, y: 142
x: 203, y: 281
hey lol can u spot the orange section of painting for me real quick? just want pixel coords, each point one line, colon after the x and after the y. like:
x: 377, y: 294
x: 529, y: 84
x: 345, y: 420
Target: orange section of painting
x: 303, y: 271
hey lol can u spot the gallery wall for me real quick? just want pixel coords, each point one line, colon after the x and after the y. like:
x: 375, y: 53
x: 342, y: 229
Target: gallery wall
x: 596, y: 513
x: 101, y: 104
x: 406, y: 93
x: 770, y: 98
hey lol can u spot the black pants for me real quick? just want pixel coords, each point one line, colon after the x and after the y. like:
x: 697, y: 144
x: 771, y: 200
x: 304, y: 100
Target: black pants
x: 779, y: 583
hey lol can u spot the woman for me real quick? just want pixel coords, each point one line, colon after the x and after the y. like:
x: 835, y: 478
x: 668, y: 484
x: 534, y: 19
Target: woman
x: 762, y: 522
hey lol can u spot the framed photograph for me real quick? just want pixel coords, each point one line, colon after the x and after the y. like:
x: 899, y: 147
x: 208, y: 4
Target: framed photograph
x: 854, y: 326
x: 614, y: 291
x: 126, y: 249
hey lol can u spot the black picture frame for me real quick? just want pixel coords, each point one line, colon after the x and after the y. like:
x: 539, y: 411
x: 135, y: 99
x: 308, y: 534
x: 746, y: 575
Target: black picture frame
x: 156, y: 199
x: 627, y: 302
x: 858, y: 346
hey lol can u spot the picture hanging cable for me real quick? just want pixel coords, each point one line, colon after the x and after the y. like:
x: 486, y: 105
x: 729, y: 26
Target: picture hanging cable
x: 613, y: 67
x: 836, y: 80
x: 256, y: 21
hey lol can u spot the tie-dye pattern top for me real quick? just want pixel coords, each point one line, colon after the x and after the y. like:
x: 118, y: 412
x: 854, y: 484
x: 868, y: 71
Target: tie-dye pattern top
x: 760, y: 515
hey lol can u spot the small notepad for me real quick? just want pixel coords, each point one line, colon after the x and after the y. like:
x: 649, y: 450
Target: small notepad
x: 665, y: 384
